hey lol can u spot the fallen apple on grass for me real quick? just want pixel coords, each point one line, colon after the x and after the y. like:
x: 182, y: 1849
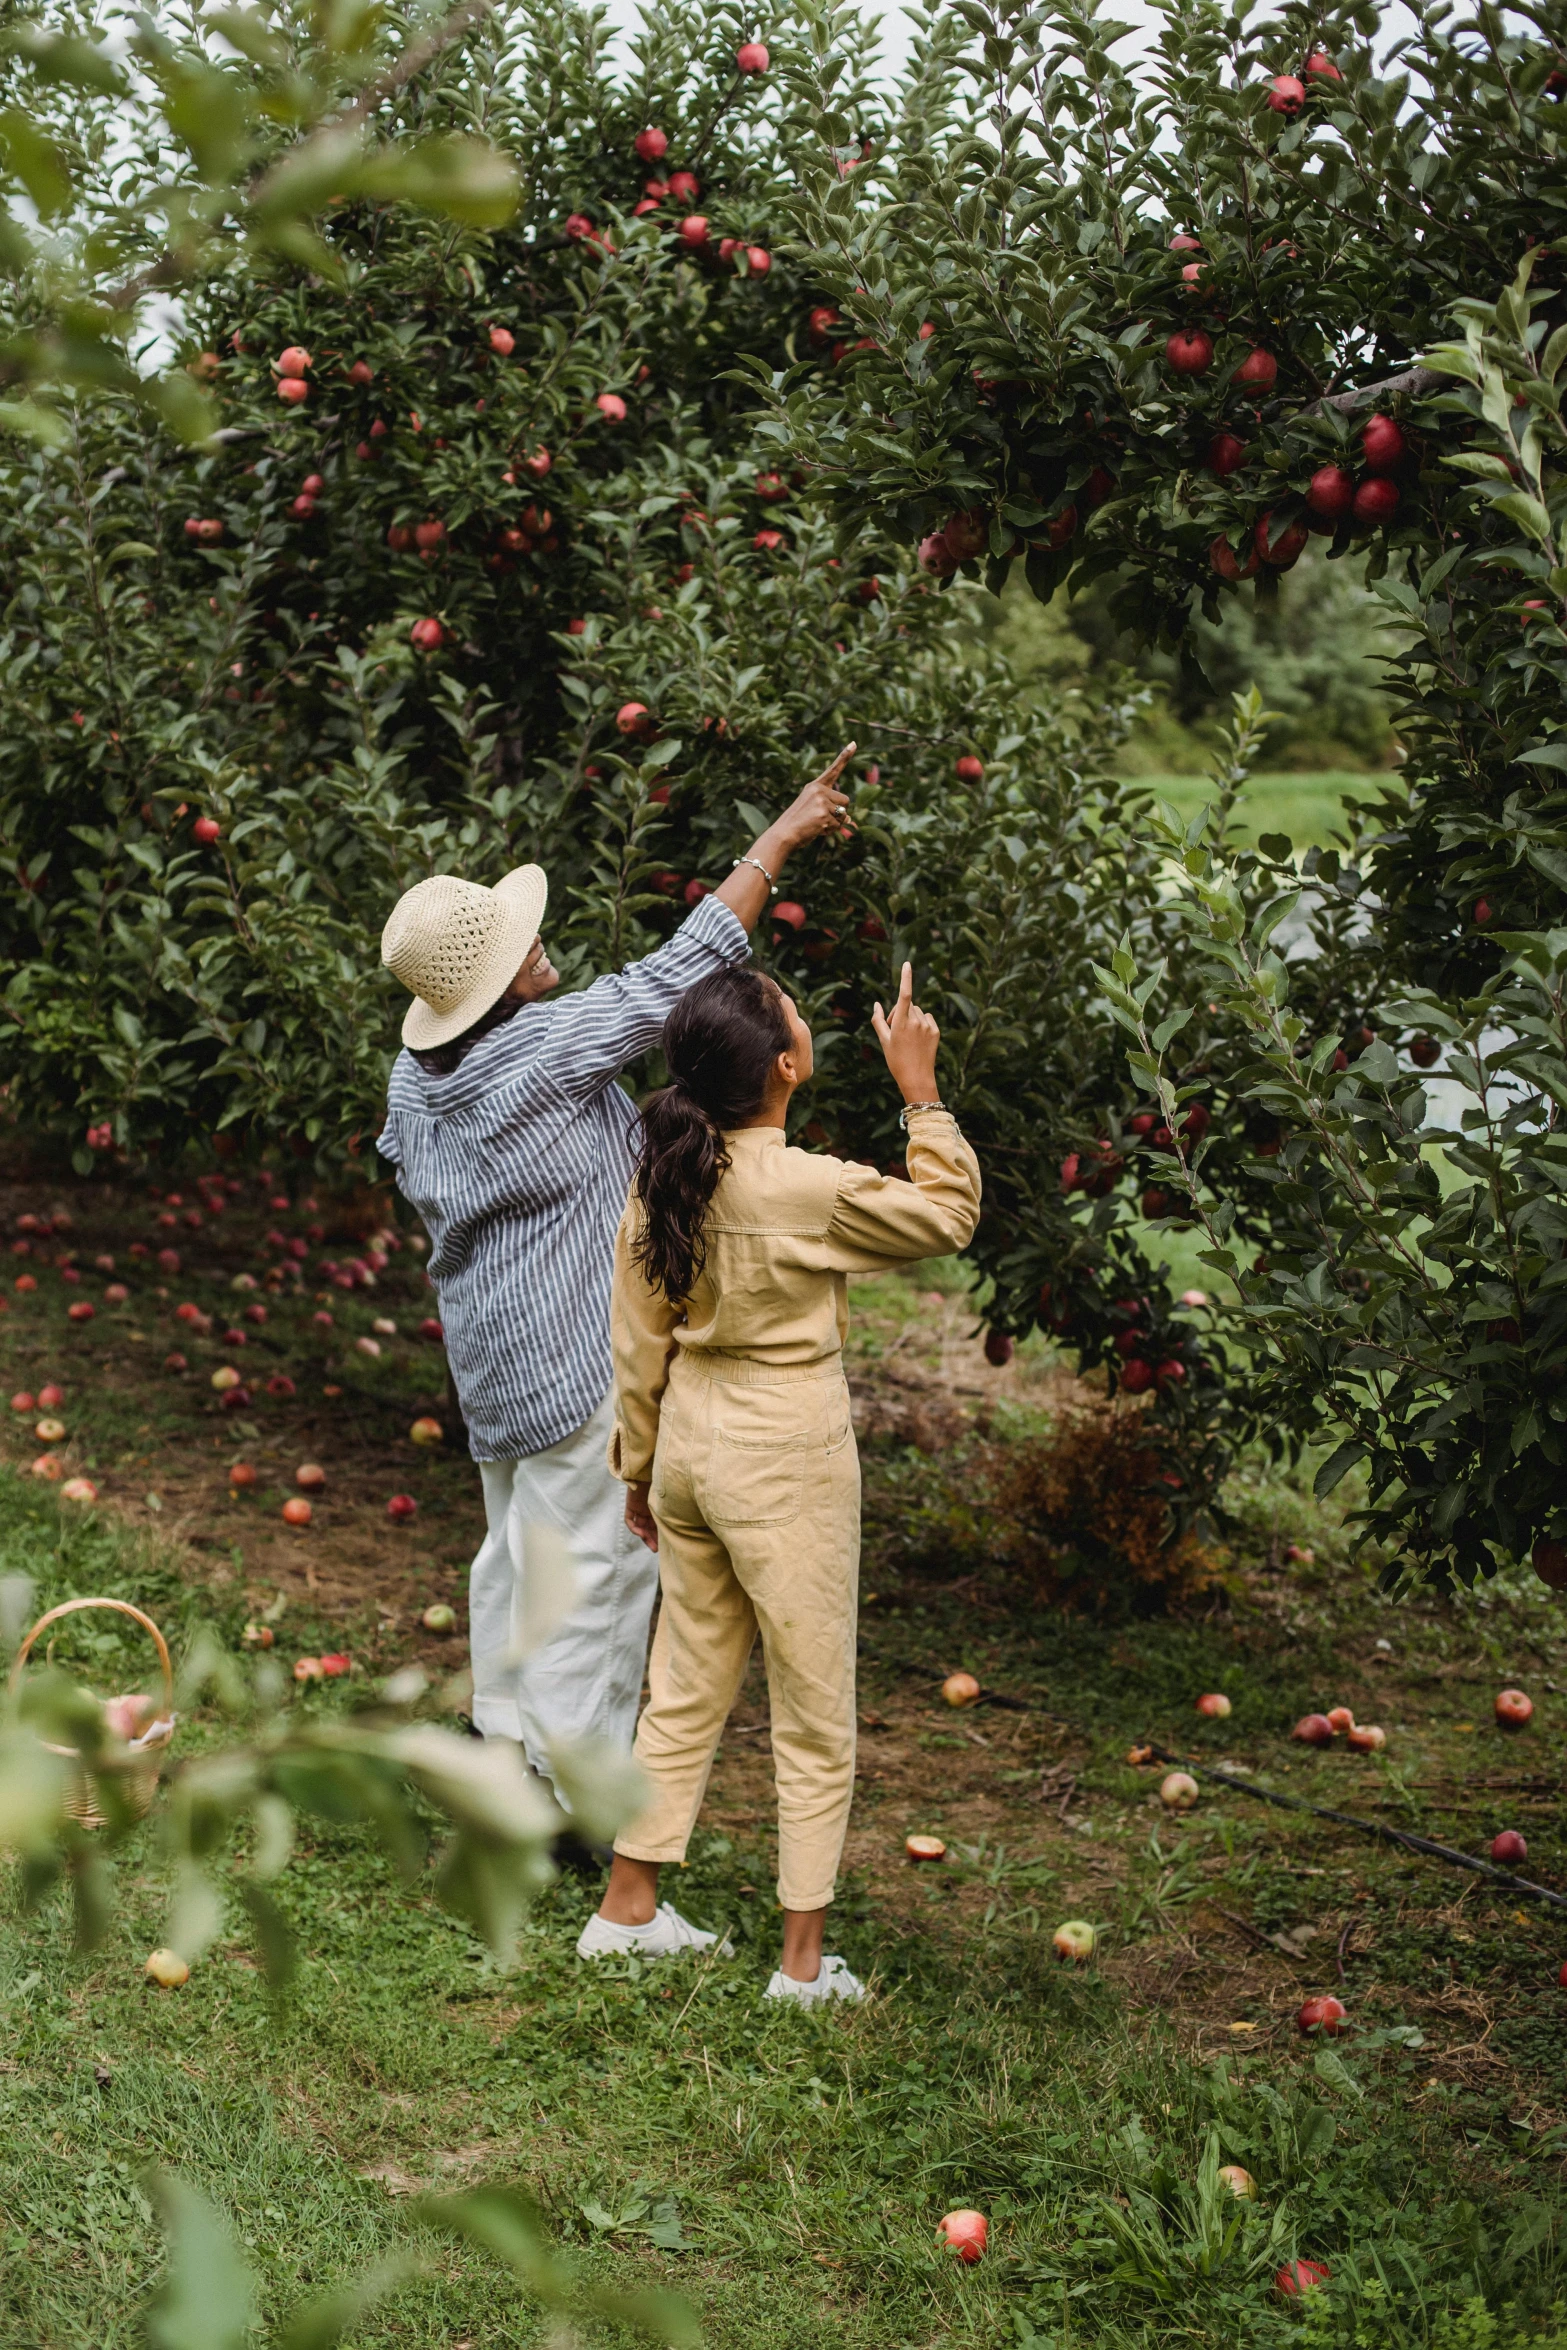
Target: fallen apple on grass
x: 1514, y: 1711
x: 80, y: 1489
x: 258, y: 1635
x: 957, y: 1688
x: 439, y: 1618
x: 334, y: 1663
x: 310, y: 1477
x: 1178, y: 1791
x: 1366, y: 1738
x: 401, y: 1508
x: 1301, y: 2276
x: 1075, y: 1940
x: 23, y: 1402
x: 1314, y: 1730
x: 224, y: 1378
x: 1215, y: 1706
x: 50, y: 1467
x: 924, y: 1848
x: 167, y: 1969
x: 1509, y: 1848
x: 427, y: 1432
x: 1240, y: 2182
x: 967, y: 2232
x: 50, y: 1398
x: 1323, y: 2014
x: 308, y: 1668
x: 296, y: 1512
x: 50, y: 1431
x: 1340, y: 1719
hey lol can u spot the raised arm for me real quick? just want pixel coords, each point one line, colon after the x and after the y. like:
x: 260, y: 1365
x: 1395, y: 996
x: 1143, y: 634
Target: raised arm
x: 594, y: 1034
x: 883, y: 1220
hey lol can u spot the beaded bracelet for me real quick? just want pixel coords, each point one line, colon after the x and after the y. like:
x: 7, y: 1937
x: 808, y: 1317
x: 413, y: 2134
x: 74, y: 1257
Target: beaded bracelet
x: 760, y: 867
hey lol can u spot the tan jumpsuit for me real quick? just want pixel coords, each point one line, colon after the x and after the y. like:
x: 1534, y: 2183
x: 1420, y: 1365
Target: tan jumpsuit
x: 734, y: 1406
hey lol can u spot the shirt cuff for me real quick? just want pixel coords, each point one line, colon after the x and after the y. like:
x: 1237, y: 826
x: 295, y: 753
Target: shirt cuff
x: 715, y: 925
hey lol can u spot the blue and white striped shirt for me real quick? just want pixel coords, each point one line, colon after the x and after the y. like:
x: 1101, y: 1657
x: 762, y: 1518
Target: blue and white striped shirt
x: 519, y: 1164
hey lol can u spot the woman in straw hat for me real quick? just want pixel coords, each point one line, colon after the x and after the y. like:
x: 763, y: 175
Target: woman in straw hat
x: 512, y: 1140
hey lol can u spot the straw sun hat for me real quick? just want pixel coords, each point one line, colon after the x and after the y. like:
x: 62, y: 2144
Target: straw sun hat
x: 458, y: 946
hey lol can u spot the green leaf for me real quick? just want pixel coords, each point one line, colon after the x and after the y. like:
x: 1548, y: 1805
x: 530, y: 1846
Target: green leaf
x: 36, y: 161
x: 207, y: 2300
x: 33, y: 422
x: 466, y: 179
x: 1338, y: 1465
x: 323, y: 2324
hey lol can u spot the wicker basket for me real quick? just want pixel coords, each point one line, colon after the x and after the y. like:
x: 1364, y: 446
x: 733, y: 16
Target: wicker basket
x: 136, y: 1768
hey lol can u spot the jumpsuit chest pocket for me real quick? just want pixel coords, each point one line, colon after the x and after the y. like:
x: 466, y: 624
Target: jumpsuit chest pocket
x: 764, y: 1442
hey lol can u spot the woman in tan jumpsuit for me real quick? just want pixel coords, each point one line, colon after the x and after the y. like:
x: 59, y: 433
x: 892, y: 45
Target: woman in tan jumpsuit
x: 733, y: 1434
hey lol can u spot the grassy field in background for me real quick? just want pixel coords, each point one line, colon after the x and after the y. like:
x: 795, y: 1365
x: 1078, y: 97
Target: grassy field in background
x: 1306, y: 807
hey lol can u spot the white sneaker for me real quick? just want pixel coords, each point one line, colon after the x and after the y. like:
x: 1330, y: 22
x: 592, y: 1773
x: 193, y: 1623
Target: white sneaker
x: 665, y: 1933
x: 834, y: 1982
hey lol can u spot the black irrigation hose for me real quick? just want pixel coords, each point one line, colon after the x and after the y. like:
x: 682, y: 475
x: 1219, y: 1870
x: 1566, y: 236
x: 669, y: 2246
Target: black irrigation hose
x: 1348, y: 1819
x: 1404, y: 1837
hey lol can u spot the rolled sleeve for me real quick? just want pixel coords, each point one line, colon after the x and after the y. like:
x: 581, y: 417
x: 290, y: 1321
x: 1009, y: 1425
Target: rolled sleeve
x: 883, y: 1220
x: 642, y: 1338
x: 593, y: 1035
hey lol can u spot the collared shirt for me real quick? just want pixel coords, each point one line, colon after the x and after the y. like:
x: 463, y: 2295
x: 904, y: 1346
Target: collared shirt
x: 519, y: 1164
x: 784, y: 1231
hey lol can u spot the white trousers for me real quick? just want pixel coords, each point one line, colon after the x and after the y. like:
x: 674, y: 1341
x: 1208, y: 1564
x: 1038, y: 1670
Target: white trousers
x: 586, y: 1679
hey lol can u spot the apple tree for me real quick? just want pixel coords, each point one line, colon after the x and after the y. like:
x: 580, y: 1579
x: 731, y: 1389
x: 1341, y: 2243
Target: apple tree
x: 490, y: 557
x: 1155, y: 320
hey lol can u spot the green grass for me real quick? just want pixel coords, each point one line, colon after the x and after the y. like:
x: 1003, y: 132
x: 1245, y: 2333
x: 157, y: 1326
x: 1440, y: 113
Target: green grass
x: 808, y: 2158
x: 1306, y: 806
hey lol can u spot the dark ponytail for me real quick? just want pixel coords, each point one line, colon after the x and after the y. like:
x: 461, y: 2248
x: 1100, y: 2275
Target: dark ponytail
x: 720, y: 1043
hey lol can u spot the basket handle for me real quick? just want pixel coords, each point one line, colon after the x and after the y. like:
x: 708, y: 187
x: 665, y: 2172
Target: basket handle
x: 122, y: 1607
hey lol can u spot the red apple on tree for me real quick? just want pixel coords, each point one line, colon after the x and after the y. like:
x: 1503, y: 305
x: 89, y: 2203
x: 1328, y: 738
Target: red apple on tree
x: 611, y: 407
x: 969, y: 769
x: 752, y: 57
x: 1286, y: 95
x: 694, y: 230
x: 1228, y: 565
x: 206, y: 829
x: 1281, y: 548
x: 1383, y: 447
x: 1321, y: 65
x: 1258, y: 368
x: 1330, y: 493
x: 652, y: 144
x: 1189, y: 351
x: 1226, y: 452
x: 1375, y: 502
x: 428, y: 635
x: 1549, y: 1561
